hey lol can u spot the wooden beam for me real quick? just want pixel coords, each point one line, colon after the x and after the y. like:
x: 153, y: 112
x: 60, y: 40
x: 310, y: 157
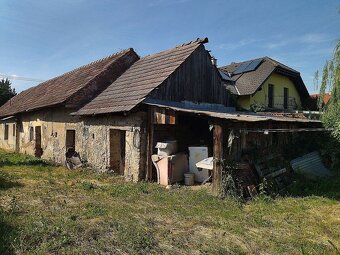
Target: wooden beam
x: 218, y: 156
x: 149, y: 149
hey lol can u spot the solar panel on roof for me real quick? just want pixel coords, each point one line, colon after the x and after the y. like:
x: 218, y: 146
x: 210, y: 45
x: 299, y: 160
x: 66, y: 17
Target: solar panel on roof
x: 248, y: 66
x: 224, y: 76
x: 242, y: 67
x: 252, y: 66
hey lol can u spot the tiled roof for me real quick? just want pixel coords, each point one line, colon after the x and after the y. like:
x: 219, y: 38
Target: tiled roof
x: 326, y: 97
x: 139, y: 80
x: 71, y: 84
x: 247, y: 83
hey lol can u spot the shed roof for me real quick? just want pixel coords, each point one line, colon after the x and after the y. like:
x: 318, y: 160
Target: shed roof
x: 221, y: 114
x: 132, y: 87
x: 247, y: 83
x: 59, y: 89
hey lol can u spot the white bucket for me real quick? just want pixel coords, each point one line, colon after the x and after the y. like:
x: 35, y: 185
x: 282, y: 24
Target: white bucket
x: 189, y: 179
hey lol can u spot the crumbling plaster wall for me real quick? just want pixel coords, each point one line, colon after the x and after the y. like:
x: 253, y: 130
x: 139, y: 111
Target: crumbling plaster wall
x: 8, y: 144
x: 97, y: 142
x: 54, y: 123
x: 92, y: 138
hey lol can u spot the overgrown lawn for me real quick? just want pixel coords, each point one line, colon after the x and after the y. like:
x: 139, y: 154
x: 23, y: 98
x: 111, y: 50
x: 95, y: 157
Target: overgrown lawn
x: 45, y: 209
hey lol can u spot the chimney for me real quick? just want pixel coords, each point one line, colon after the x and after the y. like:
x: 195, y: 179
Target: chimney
x: 213, y: 60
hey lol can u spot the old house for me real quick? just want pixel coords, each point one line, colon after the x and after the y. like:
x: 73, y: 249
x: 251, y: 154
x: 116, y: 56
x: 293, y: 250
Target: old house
x: 120, y: 117
x: 115, y: 111
x: 38, y: 122
x: 265, y: 84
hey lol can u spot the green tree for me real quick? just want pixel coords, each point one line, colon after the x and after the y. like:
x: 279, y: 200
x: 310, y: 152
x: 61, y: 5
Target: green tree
x: 6, y: 91
x: 331, y: 78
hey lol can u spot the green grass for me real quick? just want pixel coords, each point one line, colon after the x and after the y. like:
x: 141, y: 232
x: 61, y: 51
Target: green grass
x: 46, y: 209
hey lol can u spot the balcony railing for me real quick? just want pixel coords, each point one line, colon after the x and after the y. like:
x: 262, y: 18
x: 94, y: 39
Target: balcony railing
x: 278, y: 103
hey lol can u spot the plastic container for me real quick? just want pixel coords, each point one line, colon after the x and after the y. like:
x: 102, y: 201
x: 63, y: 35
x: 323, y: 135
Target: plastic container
x: 189, y: 179
x: 166, y: 148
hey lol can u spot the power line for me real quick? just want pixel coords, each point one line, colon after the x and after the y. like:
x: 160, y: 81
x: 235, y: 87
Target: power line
x: 14, y: 77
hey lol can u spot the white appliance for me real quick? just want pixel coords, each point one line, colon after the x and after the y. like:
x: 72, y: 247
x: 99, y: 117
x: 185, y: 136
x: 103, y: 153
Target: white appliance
x: 196, y: 154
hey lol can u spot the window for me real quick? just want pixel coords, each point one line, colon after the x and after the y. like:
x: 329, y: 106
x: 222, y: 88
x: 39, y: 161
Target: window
x: 270, y: 95
x: 31, y: 133
x: 285, y: 98
x: 14, y: 129
x: 6, y: 132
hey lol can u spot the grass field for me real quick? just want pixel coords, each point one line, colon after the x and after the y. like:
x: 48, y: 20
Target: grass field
x: 50, y: 210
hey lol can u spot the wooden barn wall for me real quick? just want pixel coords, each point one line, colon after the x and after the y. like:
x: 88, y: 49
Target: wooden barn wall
x: 254, y: 145
x: 196, y: 80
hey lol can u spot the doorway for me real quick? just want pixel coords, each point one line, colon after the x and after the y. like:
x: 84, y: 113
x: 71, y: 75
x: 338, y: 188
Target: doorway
x: 70, y: 139
x: 38, y: 150
x: 117, y: 150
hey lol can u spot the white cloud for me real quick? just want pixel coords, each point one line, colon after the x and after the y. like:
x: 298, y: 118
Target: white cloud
x: 310, y: 39
x: 236, y: 45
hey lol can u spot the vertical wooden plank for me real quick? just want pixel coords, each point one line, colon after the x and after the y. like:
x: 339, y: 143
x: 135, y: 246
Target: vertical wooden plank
x: 218, y: 156
x: 149, y: 149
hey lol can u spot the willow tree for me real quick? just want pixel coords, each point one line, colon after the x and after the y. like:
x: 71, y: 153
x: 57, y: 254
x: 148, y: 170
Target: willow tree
x: 331, y: 79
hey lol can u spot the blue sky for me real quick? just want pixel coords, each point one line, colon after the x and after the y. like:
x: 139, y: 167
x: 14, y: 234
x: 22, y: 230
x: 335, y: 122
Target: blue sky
x: 42, y: 39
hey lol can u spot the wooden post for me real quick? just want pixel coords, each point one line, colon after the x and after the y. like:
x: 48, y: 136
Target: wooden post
x: 149, y: 149
x: 218, y: 156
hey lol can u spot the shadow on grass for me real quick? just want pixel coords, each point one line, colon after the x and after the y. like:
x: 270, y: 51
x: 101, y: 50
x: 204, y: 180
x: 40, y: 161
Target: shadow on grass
x: 28, y: 162
x: 6, y: 183
x: 7, y: 235
x: 322, y: 186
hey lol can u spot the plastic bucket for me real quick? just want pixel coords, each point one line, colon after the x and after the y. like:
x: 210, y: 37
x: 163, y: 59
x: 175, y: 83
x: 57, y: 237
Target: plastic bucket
x: 189, y: 179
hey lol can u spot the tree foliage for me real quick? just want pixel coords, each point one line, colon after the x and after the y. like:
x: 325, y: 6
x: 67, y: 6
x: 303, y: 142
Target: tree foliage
x: 6, y: 91
x: 331, y: 78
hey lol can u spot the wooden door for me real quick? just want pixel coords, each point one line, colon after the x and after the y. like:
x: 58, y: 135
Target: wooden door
x: 117, y: 151
x: 38, y: 148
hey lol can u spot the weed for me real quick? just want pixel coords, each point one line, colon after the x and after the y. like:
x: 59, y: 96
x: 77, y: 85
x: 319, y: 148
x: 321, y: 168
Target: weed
x: 88, y: 186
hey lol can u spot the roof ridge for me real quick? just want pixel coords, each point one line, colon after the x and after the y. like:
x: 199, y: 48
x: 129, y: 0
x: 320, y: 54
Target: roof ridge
x: 197, y: 41
x: 278, y: 63
x: 78, y: 68
x: 97, y: 61
x: 87, y: 65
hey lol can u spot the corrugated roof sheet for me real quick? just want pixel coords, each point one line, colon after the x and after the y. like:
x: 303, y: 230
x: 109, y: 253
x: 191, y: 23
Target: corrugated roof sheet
x: 235, y: 116
x: 247, y: 83
x: 310, y: 164
x: 57, y: 90
x: 139, y: 80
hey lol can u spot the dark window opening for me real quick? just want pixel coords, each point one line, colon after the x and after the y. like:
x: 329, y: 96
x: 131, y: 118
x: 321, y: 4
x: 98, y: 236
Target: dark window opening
x: 270, y: 95
x: 70, y: 139
x: 14, y: 127
x: 6, y: 132
x: 31, y: 133
x: 285, y: 98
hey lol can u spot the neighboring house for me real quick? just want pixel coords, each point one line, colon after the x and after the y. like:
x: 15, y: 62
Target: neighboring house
x: 315, y: 98
x: 265, y: 84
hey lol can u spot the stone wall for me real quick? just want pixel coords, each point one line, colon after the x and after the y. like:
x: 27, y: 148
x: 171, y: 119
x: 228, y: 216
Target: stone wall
x: 92, y: 138
x: 10, y: 141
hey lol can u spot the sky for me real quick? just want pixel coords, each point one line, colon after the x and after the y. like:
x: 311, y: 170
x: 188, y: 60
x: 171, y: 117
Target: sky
x: 42, y: 39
